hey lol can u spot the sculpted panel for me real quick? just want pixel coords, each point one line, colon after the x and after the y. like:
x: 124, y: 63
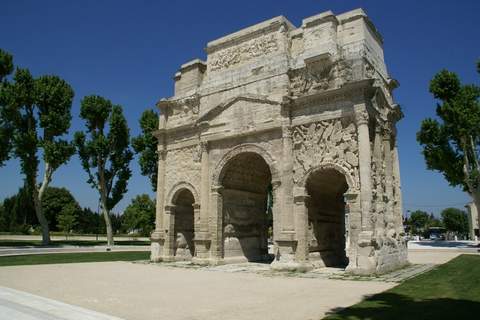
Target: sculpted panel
x: 244, y: 52
x: 182, y: 167
x: 329, y: 141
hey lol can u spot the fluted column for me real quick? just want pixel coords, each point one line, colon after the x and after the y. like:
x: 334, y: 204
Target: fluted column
x: 365, y: 158
x: 160, y: 200
x: 158, y: 235
x: 287, y: 223
x: 301, y: 226
x: 387, y: 150
x: 205, y: 187
x: 398, y: 207
x: 169, y: 225
x: 379, y: 209
x: 216, y: 225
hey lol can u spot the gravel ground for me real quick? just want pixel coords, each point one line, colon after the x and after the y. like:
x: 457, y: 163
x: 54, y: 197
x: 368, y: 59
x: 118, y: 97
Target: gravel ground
x: 146, y: 291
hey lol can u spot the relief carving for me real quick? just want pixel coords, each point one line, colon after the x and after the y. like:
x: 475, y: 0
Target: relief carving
x: 182, y: 158
x: 320, y: 76
x: 325, y: 142
x: 250, y: 49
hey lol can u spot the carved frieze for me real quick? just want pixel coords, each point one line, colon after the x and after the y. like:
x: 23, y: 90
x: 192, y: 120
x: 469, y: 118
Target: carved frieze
x: 331, y: 141
x: 320, y: 76
x: 244, y: 52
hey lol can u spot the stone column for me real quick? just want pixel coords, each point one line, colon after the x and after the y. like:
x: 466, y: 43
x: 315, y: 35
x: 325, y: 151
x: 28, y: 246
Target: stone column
x: 379, y: 207
x: 353, y: 224
x: 205, y: 187
x: 201, y: 239
x: 216, y: 225
x: 302, y: 203
x: 158, y: 236
x: 398, y: 206
x: 286, y: 216
x: 387, y: 150
x: 365, y: 158
x: 169, y: 225
x: 365, y: 262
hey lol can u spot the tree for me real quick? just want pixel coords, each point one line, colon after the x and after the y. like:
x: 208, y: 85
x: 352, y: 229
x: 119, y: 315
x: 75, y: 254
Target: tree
x: 139, y: 216
x: 105, y: 153
x: 38, y: 112
x: 67, y: 218
x: 54, y: 201
x: 452, y: 145
x: 146, y: 145
x: 455, y: 220
x: 418, y: 221
x: 19, y: 212
x: 89, y: 222
x: 6, y: 130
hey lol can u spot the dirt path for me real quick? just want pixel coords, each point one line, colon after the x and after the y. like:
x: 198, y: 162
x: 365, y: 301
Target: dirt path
x: 142, y: 291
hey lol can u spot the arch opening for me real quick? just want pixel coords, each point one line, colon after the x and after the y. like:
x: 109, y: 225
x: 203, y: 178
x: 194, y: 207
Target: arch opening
x: 247, y: 217
x: 327, y: 218
x: 184, y: 247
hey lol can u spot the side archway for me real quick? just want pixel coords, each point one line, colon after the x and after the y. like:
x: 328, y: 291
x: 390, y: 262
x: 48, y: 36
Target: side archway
x: 328, y: 223
x: 182, y: 201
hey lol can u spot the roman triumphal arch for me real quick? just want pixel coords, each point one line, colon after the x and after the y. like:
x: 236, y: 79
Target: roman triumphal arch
x: 281, y: 148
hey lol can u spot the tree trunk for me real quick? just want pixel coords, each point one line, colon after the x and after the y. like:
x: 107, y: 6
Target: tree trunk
x: 37, y: 201
x: 108, y: 224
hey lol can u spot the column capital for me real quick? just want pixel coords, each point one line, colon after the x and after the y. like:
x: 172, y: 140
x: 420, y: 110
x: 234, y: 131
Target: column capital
x: 196, y: 206
x: 217, y: 189
x: 162, y: 153
x: 276, y: 184
x: 301, y: 198
x: 361, y: 114
x: 169, y: 209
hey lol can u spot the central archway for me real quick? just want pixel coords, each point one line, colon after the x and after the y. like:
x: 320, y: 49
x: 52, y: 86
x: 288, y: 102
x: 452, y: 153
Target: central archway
x: 246, y: 181
x: 327, y: 218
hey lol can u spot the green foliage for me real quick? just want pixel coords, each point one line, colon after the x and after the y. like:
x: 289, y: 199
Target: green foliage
x: 6, y: 64
x: 18, y: 212
x: 449, y: 291
x: 67, y: 218
x: 146, y: 145
x: 54, y: 201
x: 89, y: 222
x: 140, y: 215
x: 6, y: 130
x: 77, y: 257
x: 105, y: 154
x: 455, y: 220
x: 418, y: 221
x: 39, y: 112
x: 451, y: 145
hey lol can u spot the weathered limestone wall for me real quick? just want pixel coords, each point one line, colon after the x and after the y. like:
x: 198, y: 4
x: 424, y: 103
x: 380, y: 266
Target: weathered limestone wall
x: 278, y: 106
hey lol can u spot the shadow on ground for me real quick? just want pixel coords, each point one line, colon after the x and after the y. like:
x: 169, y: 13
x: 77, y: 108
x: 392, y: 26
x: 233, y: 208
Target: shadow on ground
x: 393, y: 306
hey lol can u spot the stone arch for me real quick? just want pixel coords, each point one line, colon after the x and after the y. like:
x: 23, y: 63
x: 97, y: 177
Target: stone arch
x: 178, y: 188
x: 183, y: 208
x: 219, y: 171
x: 352, y: 187
x: 246, y: 175
x: 326, y: 187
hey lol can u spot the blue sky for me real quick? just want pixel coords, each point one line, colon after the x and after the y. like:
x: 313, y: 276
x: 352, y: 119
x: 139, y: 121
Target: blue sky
x: 128, y: 52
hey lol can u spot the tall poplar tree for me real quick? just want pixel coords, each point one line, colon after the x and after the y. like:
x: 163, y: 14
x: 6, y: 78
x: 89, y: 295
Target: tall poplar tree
x: 6, y: 131
x: 37, y: 113
x: 104, y: 150
x: 451, y: 145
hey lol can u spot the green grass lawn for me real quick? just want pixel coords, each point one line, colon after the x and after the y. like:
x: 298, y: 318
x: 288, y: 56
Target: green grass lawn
x: 450, y: 291
x: 54, y: 243
x: 51, y: 258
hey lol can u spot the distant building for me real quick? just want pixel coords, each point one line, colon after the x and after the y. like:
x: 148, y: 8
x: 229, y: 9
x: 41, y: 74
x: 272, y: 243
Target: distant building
x: 473, y: 226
